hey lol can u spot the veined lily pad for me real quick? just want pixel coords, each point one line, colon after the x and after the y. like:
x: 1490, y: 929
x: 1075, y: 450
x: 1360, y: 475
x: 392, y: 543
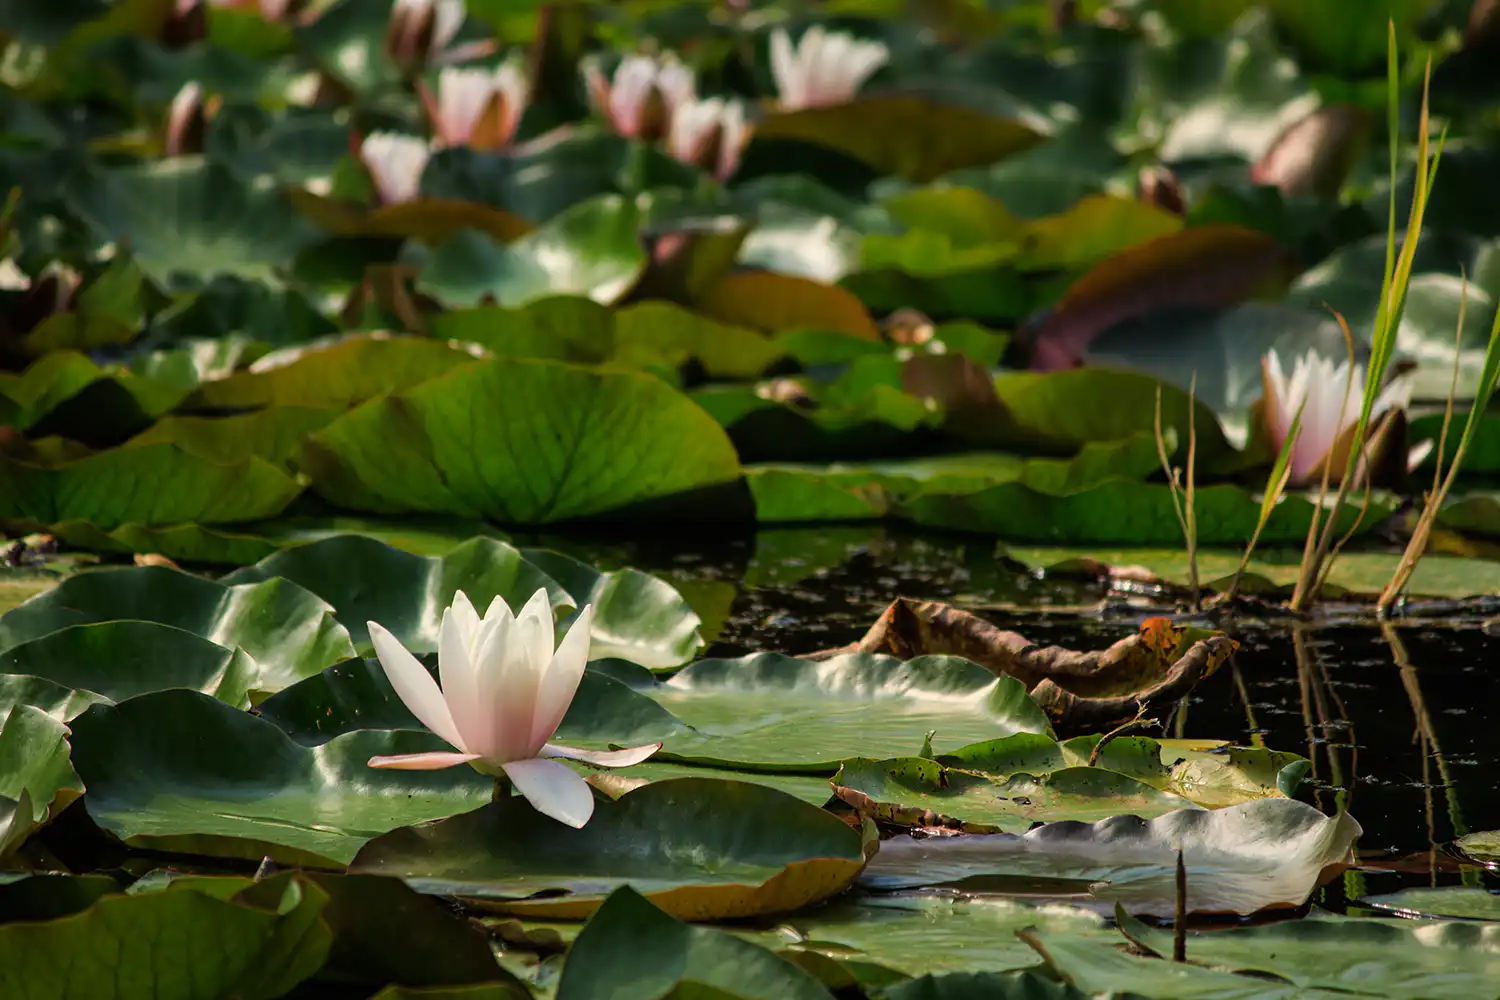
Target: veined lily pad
x: 36, y: 779
x: 631, y: 950
x: 1245, y: 858
x: 258, y: 794
x: 778, y: 713
x: 290, y: 632
x: 506, y: 439
x: 699, y: 848
x: 1467, y: 902
x: 259, y: 943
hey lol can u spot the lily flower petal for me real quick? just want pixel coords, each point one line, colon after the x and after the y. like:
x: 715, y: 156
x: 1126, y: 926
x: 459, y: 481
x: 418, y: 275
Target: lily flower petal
x: 395, y: 163
x: 603, y: 758
x: 559, y: 682
x: 554, y: 789
x: 433, y: 761
x: 414, y: 685
x: 459, y: 673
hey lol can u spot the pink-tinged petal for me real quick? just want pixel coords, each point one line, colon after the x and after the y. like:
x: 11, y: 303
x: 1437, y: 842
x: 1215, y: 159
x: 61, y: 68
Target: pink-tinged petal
x: 459, y: 676
x: 785, y: 71
x: 560, y: 681
x: 434, y: 761
x: 466, y: 619
x: 507, y: 731
x: 603, y: 758
x: 554, y: 789
x: 414, y: 685
x: 540, y: 638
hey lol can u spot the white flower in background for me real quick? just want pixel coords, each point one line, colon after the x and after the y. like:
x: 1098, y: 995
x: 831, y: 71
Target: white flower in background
x: 826, y: 68
x: 641, y: 98
x: 504, y: 691
x: 709, y: 134
x: 477, y: 107
x: 1328, y: 417
x: 395, y: 163
x: 420, y: 32
x: 186, y: 118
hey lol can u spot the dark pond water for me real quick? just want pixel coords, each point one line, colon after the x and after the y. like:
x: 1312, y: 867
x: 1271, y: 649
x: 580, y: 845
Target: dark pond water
x: 1412, y: 751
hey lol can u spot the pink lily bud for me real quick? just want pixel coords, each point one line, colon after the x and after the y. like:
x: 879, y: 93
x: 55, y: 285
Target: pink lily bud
x: 477, y: 108
x: 825, y: 69
x: 644, y: 94
x: 709, y: 134
x: 395, y: 163
x: 420, y: 33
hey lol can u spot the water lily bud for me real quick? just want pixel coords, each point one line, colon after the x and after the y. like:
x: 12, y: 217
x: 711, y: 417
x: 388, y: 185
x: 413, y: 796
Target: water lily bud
x: 420, y: 33
x: 1315, y: 153
x: 475, y: 107
x: 709, y: 134
x: 187, y: 118
x: 395, y: 163
x: 825, y: 68
x: 1157, y: 185
x: 642, y: 97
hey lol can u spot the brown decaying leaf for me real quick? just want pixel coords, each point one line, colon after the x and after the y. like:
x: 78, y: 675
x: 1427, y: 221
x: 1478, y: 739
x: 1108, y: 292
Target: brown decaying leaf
x: 1211, y: 266
x: 1077, y: 688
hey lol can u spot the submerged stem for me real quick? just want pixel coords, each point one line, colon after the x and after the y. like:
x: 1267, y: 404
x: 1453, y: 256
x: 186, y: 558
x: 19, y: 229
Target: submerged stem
x: 502, y: 788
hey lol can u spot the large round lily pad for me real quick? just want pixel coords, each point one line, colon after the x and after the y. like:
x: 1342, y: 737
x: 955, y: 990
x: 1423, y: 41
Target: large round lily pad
x: 779, y: 713
x: 699, y: 848
x: 179, y: 771
x: 522, y: 442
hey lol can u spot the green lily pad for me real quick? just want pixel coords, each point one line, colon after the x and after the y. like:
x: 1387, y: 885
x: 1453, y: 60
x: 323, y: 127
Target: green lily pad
x: 1241, y: 859
x: 153, y: 484
x: 700, y: 848
x: 1466, y: 902
x: 123, y: 659
x: 258, y: 944
x: 812, y: 789
x: 357, y: 695
x: 558, y: 327
x: 57, y: 700
x: 258, y: 794
x: 631, y: 950
x: 637, y: 617
x: 907, y: 790
x: 929, y: 933
x: 1398, y: 958
x: 590, y: 249
x: 778, y: 713
x: 274, y: 434
x: 1483, y: 847
x: 38, y: 780
x: 64, y: 390
x: 187, y: 220
x: 911, y: 136
x: 348, y: 371
x: 48, y: 895
x: 290, y: 633
x: 366, y: 580
x: 507, y: 440
x: 653, y: 333
x: 189, y: 543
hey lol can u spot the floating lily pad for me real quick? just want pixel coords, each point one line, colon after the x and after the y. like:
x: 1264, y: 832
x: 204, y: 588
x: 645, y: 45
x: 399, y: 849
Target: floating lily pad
x: 630, y: 949
x: 155, y: 484
x: 916, y: 791
x: 777, y: 713
x: 188, y: 220
x: 274, y: 434
x: 259, y: 943
x: 258, y: 794
x: 684, y: 843
x: 1483, y: 847
x: 914, y: 137
x: 507, y: 440
x: 1242, y: 859
x: 366, y: 580
x: 774, y: 303
x: 289, y: 632
x: 36, y: 779
x: 1466, y: 902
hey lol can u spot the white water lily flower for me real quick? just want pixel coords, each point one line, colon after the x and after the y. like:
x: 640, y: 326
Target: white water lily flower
x: 504, y: 692
x: 640, y: 100
x: 476, y: 107
x: 710, y: 134
x: 395, y: 163
x: 1328, y: 417
x: 419, y: 33
x: 825, y: 69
